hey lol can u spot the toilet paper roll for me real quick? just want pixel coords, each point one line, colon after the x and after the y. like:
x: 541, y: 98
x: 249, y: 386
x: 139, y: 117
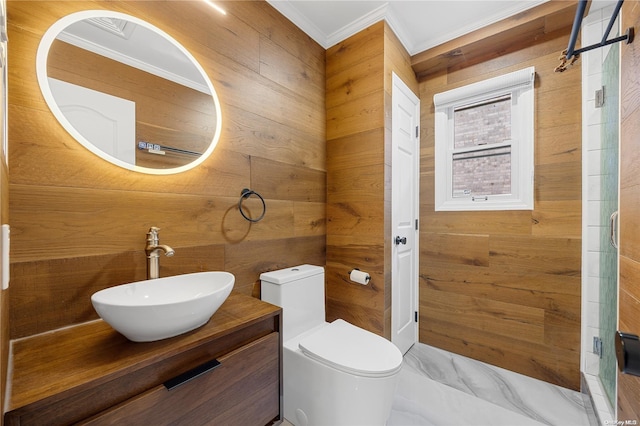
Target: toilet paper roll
x: 359, y: 277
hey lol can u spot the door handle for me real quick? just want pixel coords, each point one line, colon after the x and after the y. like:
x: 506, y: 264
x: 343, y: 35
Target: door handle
x: 402, y: 240
x: 613, y: 228
x: 191, y: 374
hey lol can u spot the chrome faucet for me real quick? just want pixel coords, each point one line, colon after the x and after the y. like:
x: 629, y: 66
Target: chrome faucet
x: 153, y: 253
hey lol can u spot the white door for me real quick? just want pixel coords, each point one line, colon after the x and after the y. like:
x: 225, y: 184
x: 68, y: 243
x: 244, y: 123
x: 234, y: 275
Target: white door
x: 106, y: 122
x: 405, y: 163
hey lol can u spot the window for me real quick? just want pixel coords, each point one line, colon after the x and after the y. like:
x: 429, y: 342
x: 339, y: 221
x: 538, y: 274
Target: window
x: 484, y: 144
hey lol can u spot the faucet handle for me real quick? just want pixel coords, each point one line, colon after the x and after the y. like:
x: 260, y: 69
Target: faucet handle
x: 152, y: 235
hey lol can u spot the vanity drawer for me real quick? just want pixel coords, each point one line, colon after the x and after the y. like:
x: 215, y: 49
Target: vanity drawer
x: 244, y: 389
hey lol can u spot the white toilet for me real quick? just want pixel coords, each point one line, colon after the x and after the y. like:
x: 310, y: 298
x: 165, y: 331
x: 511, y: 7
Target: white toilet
x: 334, y: 373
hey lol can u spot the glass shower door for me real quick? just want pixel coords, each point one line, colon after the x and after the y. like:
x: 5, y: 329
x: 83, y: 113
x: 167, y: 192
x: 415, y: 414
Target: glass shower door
x: 608, y: 214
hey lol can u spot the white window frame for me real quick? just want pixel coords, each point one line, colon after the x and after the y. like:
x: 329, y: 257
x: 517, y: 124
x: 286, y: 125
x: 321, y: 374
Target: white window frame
x: 518, y: 84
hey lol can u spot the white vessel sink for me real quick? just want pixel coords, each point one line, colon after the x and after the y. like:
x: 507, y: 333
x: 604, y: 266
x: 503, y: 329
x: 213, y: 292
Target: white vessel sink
x: 157, y: 309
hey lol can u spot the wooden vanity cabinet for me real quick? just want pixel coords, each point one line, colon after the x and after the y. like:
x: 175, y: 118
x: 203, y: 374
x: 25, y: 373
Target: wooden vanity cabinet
x: 240, y: 390
x: 227, y: 372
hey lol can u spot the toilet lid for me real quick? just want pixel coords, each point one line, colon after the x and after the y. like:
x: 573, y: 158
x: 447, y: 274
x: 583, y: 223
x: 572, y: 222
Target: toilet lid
x: 352, y: 349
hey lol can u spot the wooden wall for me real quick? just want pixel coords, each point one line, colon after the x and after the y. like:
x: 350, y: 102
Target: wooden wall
x: 79, y: 223
x: 358, y: 99
x: 629, y: 292
x: 504, y: 287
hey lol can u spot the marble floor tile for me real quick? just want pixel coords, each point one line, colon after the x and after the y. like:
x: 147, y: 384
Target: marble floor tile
x: 440, y: 388
x: 424, y: 402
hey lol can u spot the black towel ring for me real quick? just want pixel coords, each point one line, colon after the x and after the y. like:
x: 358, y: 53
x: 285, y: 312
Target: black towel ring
x: 246, y: 193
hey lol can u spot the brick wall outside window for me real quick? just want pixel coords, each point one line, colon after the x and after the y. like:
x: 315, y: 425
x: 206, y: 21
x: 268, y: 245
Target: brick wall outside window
x: 486, y: 171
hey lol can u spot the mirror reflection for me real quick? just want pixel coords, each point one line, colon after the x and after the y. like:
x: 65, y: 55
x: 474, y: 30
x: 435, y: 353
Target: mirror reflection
x: 128, y: 92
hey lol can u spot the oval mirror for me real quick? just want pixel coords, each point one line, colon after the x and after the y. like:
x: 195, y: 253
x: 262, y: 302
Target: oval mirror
x: 128, y: 92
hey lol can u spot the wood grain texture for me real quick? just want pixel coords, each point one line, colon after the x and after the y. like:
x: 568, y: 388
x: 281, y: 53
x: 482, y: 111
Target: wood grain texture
x: 504, y: 287
x: 278, y: 137
x: 75, y: 372
x: 629, y: 291
x: 79, y: 223
x: 249, y: 373
x: 358, y: 103
x: 355, y: 190
x: 493, y: 41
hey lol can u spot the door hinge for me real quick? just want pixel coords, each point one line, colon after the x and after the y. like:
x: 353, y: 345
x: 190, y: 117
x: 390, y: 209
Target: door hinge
x: 600, y: 98
x: 415, y: 316
x: 416, y: 224
x: 597, y: 346
x: 417, y: 131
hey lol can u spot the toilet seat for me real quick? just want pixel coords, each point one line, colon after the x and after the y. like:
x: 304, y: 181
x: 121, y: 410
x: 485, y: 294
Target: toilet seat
x: 353, y: 350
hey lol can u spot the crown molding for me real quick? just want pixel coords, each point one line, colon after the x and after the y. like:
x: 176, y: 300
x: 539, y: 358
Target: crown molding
x: 132, y: 62
x: 300, y: 20
x: 376, y: 15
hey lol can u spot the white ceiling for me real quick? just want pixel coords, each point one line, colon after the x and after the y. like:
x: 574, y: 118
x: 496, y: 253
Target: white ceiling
x: 419, y: 24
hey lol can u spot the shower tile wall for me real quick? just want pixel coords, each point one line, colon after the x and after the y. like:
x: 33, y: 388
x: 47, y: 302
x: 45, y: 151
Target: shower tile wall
x: 593, y: 28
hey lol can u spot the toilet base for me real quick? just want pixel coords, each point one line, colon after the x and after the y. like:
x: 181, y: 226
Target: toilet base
x: 318, y: 395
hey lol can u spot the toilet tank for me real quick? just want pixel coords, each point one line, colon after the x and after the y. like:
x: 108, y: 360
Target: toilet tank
x: 299, y: 291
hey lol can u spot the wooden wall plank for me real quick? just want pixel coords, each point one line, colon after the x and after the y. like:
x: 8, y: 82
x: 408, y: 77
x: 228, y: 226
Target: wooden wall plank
x: 360, y: 115
x: 456, y: 249
x: 51, y: 222
x: 483, y: 314
x: 360, y: 304
x: 557, y: 218
x: 359, y: 150
x: 272, y: 24
x: 355, y: 178
x: 357, y: 184
x: 285, y: 68
x: 253, y: 135
x: 516, y: 222
x: 364, y: 221
x: 629, y: 200
x: 309, y: 219
x: 248, y: 259
x: 554, y: 145
x: 522, y: 287
x: 355, y: 50
x: 296, y: 183
x: 547, y: 255
x: 354, y: 82
x: 398, y: 61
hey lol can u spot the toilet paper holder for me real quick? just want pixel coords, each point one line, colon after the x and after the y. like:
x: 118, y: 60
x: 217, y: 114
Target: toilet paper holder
x: 360, y: 277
